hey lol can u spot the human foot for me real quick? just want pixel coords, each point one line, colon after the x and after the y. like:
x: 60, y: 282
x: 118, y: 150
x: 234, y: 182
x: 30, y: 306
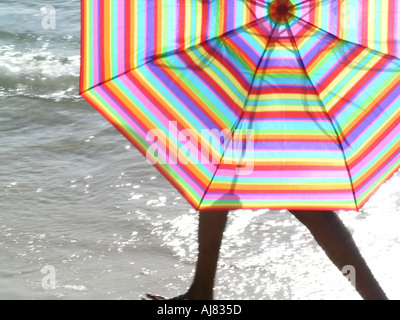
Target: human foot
x: 156, y: 297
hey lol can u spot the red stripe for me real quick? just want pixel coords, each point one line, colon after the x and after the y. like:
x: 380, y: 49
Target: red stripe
x: 323, y: 50
x: 277, y: 90
x: 373, y: 145
x: 253, y: 7
x: 139, y: 147
x: 287, y: 167
x: 371, y: 110
x: 364, y: 23
x: 156, y: 22
x: 239, y: 205
x: 212, y: 84
x: 244, y: 190
x: 237, y: 75
x: 210, y: 115
x: 377, y: 187
x: 128, y: 24
x: 286, y: 114
x: 312, y: 12
x: 102, y: 44
x: 255, y: 29
x: 211, y: 51
x: 357, y: 87
x: 280, y: 40
x: 181, y: 24
x: 359, y: 183
x: 391, y: 26
x: 304, y: 30
x: 204, y: 20
x: 136, y: 118
x: 83, y: 44
x: 130, y: 112
x: 339, y: 68
x: 281, y: 69
x: 165, y: 111
x: 317, y: 139
x: 338, y: 18
x: 242, y: 52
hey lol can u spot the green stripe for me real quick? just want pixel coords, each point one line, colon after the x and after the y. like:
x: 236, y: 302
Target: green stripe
x: 89, y: 58
x: 379, y: 181
x: 138, y: 139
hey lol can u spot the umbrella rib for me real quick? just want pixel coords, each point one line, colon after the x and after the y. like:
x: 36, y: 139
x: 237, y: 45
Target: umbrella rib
x: 173, y: 52
x: 241, y: 115
x: 330, y: 119
x: 348, y: 41
x: 317, y: 4
x: 257, y: 3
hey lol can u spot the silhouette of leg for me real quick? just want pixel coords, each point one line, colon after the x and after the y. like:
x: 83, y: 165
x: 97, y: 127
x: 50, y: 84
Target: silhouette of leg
x: 337, y: 242
x: 211, y: 228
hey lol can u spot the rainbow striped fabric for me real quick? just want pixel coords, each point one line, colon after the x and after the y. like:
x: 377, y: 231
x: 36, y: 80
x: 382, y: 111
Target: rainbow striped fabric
x: 252, y: 104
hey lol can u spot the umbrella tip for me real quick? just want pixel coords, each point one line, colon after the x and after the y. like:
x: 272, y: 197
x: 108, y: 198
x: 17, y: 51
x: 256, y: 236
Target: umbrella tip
x: 281, y: 10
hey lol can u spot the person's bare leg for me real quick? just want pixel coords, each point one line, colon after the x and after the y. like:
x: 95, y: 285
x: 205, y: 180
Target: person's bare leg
x: 337, y: 242
x: 211, y: 228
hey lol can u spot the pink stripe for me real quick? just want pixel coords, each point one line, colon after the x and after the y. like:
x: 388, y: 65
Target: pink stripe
x: 364, y: 188
x: 296, y: 28
x: 369, y: 126
x: 326, y: 75
x: 117, y: 108
x: 120, y: 111
x: 144, y: 17
x: 366, y: 162
x: 157, y: 114
x: 264, y: 197
x: 270, y: 150
x: 397, y: 30
x: 96, y: 43
x: 121, y: 37
x: 292, y: 175
x: 165, y: 85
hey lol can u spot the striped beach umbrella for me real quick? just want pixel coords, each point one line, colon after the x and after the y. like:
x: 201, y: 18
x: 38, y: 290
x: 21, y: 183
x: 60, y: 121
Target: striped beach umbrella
x: 252, y: 103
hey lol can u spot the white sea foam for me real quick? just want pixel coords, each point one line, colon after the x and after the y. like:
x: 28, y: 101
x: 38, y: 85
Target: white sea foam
x: 40, y: 72
x: 37, y: 63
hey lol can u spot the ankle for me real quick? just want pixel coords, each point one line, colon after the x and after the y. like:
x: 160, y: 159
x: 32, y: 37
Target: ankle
x: 199, y: 293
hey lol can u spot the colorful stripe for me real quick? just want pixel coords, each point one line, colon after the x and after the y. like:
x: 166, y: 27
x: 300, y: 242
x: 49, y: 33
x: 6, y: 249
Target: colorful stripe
x: 151, y: 28
x: 370, y: 23
x: 241, y: 106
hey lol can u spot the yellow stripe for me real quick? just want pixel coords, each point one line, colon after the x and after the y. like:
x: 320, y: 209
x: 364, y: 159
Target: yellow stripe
x: 224, y: 71
x: 339, y: 80
x: 134, y: 35
x: 86, y: 48
x: 371, y: 23
x: 164, y: 23
x: 199, y: 16
x: 384, y: 27
x: 265, y: 186
x: 298, y: 98
x: 287, y: 107
x: 128, y: 104
x: 314, y: 162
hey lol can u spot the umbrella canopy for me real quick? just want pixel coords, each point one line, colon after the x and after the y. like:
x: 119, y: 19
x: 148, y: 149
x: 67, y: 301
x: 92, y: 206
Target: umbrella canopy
x: 252, y: 104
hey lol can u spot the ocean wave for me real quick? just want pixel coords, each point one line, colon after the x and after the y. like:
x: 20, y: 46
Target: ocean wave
x: 37, y: 63
x: 39, y: 72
